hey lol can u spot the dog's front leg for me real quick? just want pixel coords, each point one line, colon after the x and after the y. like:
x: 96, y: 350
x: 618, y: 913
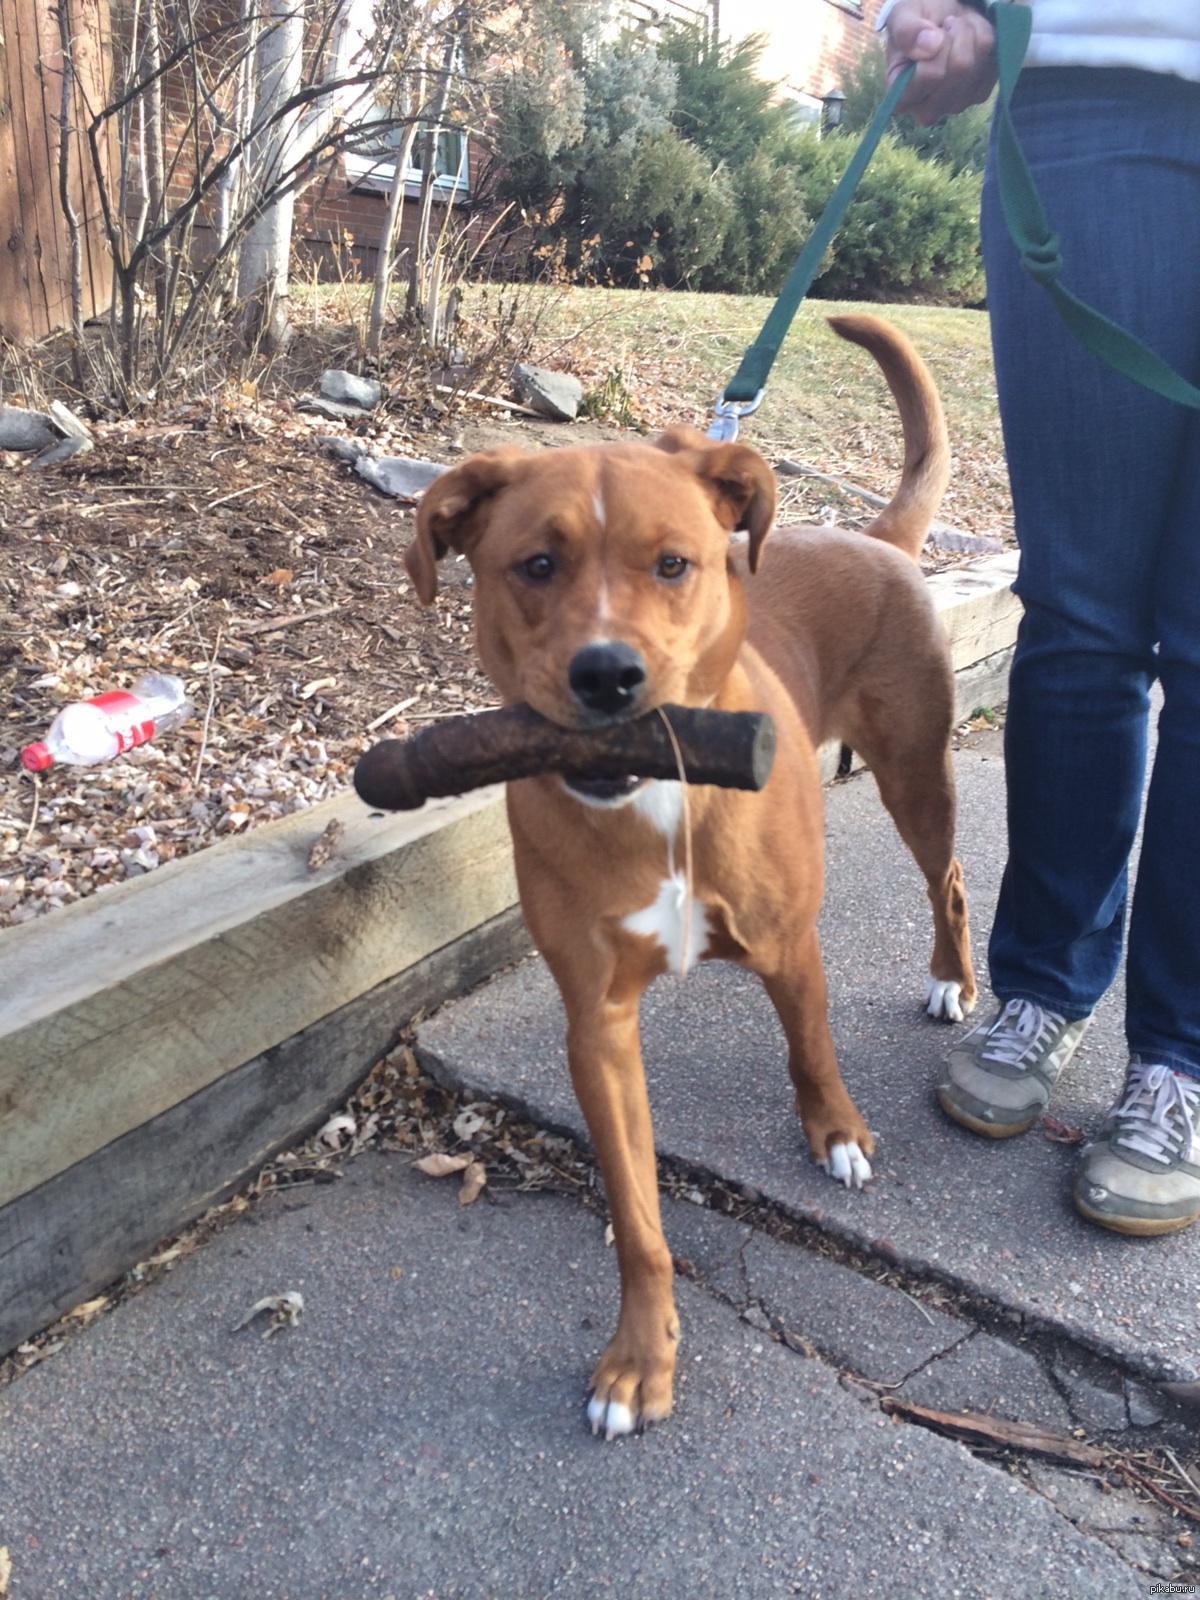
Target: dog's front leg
x: 833, y: 1125
x: 632, y: 1381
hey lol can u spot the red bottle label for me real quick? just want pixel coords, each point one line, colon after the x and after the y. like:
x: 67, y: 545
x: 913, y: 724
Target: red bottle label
x: 120, y: 707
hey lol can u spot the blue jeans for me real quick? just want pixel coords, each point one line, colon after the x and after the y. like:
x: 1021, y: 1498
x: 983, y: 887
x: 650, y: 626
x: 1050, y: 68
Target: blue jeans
x: 1106, y: 491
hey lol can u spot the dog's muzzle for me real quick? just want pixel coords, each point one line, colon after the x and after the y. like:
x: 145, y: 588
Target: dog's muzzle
x: 607, y: 678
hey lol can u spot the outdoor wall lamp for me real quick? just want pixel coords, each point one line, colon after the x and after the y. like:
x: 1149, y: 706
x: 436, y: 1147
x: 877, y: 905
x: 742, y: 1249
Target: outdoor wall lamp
x: 831, y: 114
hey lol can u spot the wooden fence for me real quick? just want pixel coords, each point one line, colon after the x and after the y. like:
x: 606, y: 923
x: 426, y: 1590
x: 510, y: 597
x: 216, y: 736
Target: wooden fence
x: 35, y: 251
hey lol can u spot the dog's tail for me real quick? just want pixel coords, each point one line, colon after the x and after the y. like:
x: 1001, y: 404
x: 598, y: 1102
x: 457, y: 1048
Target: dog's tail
x: 905, y: 520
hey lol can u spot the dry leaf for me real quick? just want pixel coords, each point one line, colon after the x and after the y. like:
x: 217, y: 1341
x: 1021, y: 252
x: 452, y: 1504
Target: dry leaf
x: 440, y: 1165
x: 285, y: 1311
x: 1061, y: 1132
x: 468, y: 1123
x: 331, y: 1133
x: 89, y: 1308
x: 281, y: 576
x: 171, y: 1253
x: 474, y: 1181
x: 5, y: 1570
x: 326, y: 844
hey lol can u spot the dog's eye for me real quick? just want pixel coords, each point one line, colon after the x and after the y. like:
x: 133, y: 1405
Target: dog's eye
x: 672, y: 566
x: 538, y: 569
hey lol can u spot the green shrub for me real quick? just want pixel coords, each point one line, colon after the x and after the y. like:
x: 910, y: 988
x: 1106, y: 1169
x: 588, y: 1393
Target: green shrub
x: 768, y: 223
x: 658, y: 214
x: 722, y: 102
x: 912, y: 231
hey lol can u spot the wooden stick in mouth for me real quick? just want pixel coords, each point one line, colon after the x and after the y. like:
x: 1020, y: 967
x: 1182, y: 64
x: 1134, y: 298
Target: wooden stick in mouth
x: 730, y: 749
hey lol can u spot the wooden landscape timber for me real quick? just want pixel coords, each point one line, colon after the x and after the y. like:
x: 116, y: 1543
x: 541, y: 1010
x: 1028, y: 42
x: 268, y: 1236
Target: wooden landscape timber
x: 159, y: 1040
x: 120, y: 1006
x: 82, y: 1229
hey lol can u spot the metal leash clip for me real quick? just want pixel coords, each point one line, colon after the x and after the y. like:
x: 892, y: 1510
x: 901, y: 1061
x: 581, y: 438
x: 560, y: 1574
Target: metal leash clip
x: 727, y: 414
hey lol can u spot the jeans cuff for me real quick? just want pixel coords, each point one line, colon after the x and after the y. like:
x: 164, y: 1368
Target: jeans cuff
x: 1157, y: 1054
x: 1064, y: 1008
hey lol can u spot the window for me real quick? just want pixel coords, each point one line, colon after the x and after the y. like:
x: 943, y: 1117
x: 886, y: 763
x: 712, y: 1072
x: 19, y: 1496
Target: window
x: 806, y: 110
x: 370, y: 156
x: 371, y: 161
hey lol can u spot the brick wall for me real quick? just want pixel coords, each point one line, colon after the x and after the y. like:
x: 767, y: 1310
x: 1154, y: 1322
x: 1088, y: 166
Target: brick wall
x: 811, y: 44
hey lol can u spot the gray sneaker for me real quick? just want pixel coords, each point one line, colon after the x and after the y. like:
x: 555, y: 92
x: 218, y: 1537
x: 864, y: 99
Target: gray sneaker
x: 1141, y: 1174
x: 999, y: 1076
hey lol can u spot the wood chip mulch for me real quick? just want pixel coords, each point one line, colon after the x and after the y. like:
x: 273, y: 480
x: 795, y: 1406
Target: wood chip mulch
x: 218, y: 542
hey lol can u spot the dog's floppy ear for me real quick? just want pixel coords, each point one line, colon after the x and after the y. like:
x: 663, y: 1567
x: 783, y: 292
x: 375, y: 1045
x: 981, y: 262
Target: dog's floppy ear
x: 448, y: 513
x: 740, y: 481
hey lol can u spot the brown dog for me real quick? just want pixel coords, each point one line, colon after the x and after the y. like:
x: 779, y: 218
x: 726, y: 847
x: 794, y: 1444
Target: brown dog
x: 605, y: 585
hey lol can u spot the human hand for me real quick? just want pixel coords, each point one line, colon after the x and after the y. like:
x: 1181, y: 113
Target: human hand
x: 954, y: 48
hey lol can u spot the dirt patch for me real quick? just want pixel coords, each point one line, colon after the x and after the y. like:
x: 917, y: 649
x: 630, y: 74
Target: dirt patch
x: 221, y: 543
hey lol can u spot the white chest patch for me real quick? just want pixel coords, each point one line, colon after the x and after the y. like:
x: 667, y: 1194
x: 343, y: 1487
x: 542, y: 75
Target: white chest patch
x: 683, y: 938
x: 661, y: 803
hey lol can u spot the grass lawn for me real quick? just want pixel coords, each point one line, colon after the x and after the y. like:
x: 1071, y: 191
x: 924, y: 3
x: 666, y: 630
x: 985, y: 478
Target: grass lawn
x: 668, y: 353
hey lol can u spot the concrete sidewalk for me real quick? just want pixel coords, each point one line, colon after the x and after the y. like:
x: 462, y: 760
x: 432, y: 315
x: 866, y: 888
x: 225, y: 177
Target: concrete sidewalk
x: 994, y: 1217
x: 420, y: 1431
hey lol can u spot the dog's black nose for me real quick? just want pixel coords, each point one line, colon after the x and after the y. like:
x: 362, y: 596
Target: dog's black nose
x: 607, y: 677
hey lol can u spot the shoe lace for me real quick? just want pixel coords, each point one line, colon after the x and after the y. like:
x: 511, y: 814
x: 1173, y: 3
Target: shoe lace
x: 1020, y: 1031
x: 1156, y: 1116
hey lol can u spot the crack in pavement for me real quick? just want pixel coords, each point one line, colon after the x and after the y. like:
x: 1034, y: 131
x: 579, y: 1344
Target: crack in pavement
x: 869, y: 1391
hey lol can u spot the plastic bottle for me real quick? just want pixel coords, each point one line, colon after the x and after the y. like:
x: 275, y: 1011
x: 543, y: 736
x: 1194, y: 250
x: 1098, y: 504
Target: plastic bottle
x: 90, y: 731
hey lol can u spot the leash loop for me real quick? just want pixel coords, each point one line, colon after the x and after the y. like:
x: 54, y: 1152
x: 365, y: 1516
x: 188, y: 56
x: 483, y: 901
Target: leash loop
x: 1043, y: 262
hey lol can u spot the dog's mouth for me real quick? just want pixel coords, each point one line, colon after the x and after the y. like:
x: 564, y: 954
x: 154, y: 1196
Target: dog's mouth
x: 604, y: 791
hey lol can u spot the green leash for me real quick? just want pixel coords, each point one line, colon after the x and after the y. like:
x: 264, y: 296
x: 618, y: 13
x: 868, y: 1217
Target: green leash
x: 743, y: 393
x: 1031, y: 233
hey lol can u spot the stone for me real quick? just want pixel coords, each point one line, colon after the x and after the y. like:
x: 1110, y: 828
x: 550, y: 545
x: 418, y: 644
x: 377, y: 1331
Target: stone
x: 336, y: 410
x: 712, y: 1246
x: 26, y: 430
x: 1096, y: 1409
x: 855, y: 1322
x: 342, y: 449
x: 989, y: 1375
x: 1145, y: 1407
x: 61, y: 450
x: 756, y: 1317
x: 350, y: 389
x: 556, y: 395
x: 397, y: 476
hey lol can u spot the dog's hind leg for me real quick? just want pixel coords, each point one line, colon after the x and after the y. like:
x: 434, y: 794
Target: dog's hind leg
x: 833, y: 1125
x: 917, y: 787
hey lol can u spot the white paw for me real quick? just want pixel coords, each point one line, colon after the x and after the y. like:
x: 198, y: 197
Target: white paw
x: 847, y: 1164
x: 943, y: 1000
x: 611, y: 1417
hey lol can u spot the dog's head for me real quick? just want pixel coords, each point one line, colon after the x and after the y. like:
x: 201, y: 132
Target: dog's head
x: 602, y: 578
